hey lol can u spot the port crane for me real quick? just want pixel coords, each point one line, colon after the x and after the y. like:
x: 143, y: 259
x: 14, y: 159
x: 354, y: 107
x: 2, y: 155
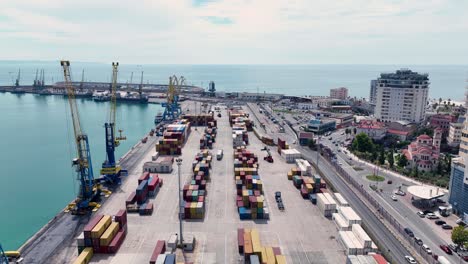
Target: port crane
x: 17, y: 81
x: 172, y: 108
x: 3, y: 257
x: 110, y: 170
x: 89, y: 191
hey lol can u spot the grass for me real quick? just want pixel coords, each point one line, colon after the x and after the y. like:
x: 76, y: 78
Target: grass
x: 375, y: 178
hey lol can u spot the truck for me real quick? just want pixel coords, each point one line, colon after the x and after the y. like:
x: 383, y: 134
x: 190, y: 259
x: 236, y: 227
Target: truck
x: 219, y: 154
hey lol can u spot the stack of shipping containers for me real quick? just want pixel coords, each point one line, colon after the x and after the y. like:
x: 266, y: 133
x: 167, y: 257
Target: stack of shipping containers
x: 249, y: 244
x: 199, y: 119
x: 326, y: 204
x: 250, y: 200
x: 102, y: 235
x: 282, y: 145
x: 148, y: 186
x: 209, y: 136
x: 195, y: 192
x: 174, y: 138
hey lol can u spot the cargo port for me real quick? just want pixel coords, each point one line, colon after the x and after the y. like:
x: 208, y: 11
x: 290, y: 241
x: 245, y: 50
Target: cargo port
x: 213, y: 182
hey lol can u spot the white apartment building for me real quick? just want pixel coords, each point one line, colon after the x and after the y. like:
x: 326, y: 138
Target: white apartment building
x: 339, y: 93
x: 401, y: 96
x: 455, y: 133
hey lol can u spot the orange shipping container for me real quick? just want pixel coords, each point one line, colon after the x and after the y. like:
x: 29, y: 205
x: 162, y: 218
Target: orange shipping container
x: 247, y: 243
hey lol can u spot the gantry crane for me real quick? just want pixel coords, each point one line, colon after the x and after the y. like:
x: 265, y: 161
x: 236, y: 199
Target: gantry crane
x: 172, y: 108
x: 110, y: 170
x: 89, y: 191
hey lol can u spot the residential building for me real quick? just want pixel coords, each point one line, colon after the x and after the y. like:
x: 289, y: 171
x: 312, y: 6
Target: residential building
x: 344, y: 109
x: 342, y: 120
x: 425, y: 151
x: 401, y: 96
x: 455, y: 134
x: 374, y: 129
x: 442, y: 122
x: 320, y: 126
x: 373, y: 92
x: 339, y: 93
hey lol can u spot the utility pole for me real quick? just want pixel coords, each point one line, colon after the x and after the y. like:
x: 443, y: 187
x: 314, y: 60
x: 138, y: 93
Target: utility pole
x: 181, y: 239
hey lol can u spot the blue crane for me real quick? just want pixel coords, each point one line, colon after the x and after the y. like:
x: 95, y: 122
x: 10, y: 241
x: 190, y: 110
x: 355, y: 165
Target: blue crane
x: 111, y: 171
x: 171, y: 107
x: 89, y: 192
x: 3, y: 257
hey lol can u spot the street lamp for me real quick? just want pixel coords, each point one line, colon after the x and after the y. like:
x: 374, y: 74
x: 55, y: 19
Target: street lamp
x: 181, y: 239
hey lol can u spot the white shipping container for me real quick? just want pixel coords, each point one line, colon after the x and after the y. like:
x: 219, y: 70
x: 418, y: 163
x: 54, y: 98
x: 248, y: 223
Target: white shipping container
x: 352, y: 259
x: 340, y: 200
x: 331, y: 201
x: 341, y: 224
x: 349, y: 215
x: 80, y: 240
x: 161, y: 258
x: 362, y: 235
x: 304, y: 166
x: 347, y: 243
x: 364, y: 259
x: 172, y: 242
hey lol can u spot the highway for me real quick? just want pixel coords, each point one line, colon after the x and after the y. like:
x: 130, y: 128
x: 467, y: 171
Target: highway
x: 401, y: 210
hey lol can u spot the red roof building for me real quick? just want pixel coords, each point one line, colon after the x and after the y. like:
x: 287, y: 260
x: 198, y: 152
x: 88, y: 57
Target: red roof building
x: 424, y: 152
x: 375, y: 130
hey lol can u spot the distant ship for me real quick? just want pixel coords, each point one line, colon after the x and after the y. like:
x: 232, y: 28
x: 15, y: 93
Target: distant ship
x: 132, y: 98
x: 101, y: 96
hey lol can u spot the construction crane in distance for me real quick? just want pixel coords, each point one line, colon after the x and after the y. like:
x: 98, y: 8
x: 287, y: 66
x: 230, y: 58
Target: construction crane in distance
x: 111, y: 171
x: 89, y: 191
x: 172, y: 108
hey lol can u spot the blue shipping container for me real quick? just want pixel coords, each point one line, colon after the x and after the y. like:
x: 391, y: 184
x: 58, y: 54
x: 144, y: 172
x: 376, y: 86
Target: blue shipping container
x: 170, y: 259
x: 143, y: 185
x: 254, y: 259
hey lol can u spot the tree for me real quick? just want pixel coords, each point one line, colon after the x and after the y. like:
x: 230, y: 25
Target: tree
x: 363, y: 143
x: 434, y: 106
x: 415, y: 171
x: 448, y: 162
x: 382, y: 156
x: 460, y: 235
x: 439, y: 166
x: 390, y: 158
x: 402, y: 161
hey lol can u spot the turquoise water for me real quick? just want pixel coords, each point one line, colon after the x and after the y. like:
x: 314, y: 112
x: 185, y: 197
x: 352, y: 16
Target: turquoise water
x: 35, y: 141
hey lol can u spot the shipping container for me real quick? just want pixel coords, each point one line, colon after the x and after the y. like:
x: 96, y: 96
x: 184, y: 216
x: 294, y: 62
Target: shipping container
x: 161, y: 258
x: 91, y: 224
x: 121, y: 218
x: 117, y: 241
x: 340, y: 200
x: 100, y: 227
x: 280, y: 259
x: 85, y: 256
x: 240, y: 240
x: 361, y: 235
x: 159, y: 249
x: 254, y: 259
x: 170, y: 259
x: 109, y: 234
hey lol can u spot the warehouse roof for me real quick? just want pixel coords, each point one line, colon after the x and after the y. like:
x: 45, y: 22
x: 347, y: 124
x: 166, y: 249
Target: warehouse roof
x: 425, y: 192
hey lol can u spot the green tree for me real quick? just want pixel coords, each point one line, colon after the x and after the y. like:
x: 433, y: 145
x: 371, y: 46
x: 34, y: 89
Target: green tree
x: 434, y: 106
x: 382, y: 156
x: 460, y: 235
x: 439, y: 166
x: 363, y: 143
x: 448, y: 163
x: 390, y: 158
x: 415, y: 171
x: 402, y: 161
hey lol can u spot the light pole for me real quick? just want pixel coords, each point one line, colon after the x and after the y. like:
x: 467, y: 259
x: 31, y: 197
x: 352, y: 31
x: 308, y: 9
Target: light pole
x: 181, y: 239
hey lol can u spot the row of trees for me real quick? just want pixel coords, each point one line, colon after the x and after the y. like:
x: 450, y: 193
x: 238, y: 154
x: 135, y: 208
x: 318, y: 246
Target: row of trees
x: 460, y: 236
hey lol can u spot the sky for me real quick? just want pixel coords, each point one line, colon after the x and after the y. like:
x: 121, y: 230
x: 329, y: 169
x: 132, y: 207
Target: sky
x: 236, y: 31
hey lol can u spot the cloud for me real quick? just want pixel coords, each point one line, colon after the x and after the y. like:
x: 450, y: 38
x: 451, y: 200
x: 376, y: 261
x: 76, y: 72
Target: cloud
x: 236, y: 31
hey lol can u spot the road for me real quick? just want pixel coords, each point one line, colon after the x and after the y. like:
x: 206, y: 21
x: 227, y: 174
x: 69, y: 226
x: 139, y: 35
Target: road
x: 402, y: 210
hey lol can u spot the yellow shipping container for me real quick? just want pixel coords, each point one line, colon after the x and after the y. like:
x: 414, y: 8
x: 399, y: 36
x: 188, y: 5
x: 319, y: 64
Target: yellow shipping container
x: 257, y: 246
x: 260, y: 200
x: 101, y: 226
x: 85, y: 256
x: 290, y: 175
x: 280, y: 259
x: 111, y: 231
x: 270, y: 256
x: 247, y: 244
x: 263, y: 257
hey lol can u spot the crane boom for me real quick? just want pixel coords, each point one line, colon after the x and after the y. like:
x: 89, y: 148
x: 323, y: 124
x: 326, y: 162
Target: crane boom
x: 82, y: 163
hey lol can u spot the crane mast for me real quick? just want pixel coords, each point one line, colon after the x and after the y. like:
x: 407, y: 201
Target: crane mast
x: 110, y: 170
x: 82, y: 163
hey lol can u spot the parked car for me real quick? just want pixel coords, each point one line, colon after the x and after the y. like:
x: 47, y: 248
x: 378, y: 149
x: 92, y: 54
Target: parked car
x: 428, y: 212
x: 394, y: 198
x: 409, y: 232
x: 432, y: 216
x: 452, y: 247
x: 410, y: 260
x: 400, y: 192
x: 440, y: 222
x: 389, y: 181
x: 277, y: 195
x: 418, y: 241
x: 446, y: 249
x: 426, y: 249
x: 421, y: 214
x: 445, y: 226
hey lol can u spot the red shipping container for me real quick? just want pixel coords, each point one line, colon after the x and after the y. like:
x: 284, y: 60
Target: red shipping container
x: 240, y: 240
x: 131, y: 198
x: 152, y: 185
x: 103, y: 250
x: 117, y: 242
x: 277, y: 251
x: 96, y: 242
x: 121, y: 217
x: 144, y: 176
x: 240, y: 204
x: 91, y: 224
x: 201, y: 199
x: 160, y: 248
x: 238, y: 198
x: 257, y: 193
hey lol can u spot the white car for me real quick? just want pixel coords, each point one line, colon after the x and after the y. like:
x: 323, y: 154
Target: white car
x: 421, y: 214
x: 427, y: 249
x: 432, y: 216
x: 339, y: 163
x: 410, y: 260
x: 394, y: 198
